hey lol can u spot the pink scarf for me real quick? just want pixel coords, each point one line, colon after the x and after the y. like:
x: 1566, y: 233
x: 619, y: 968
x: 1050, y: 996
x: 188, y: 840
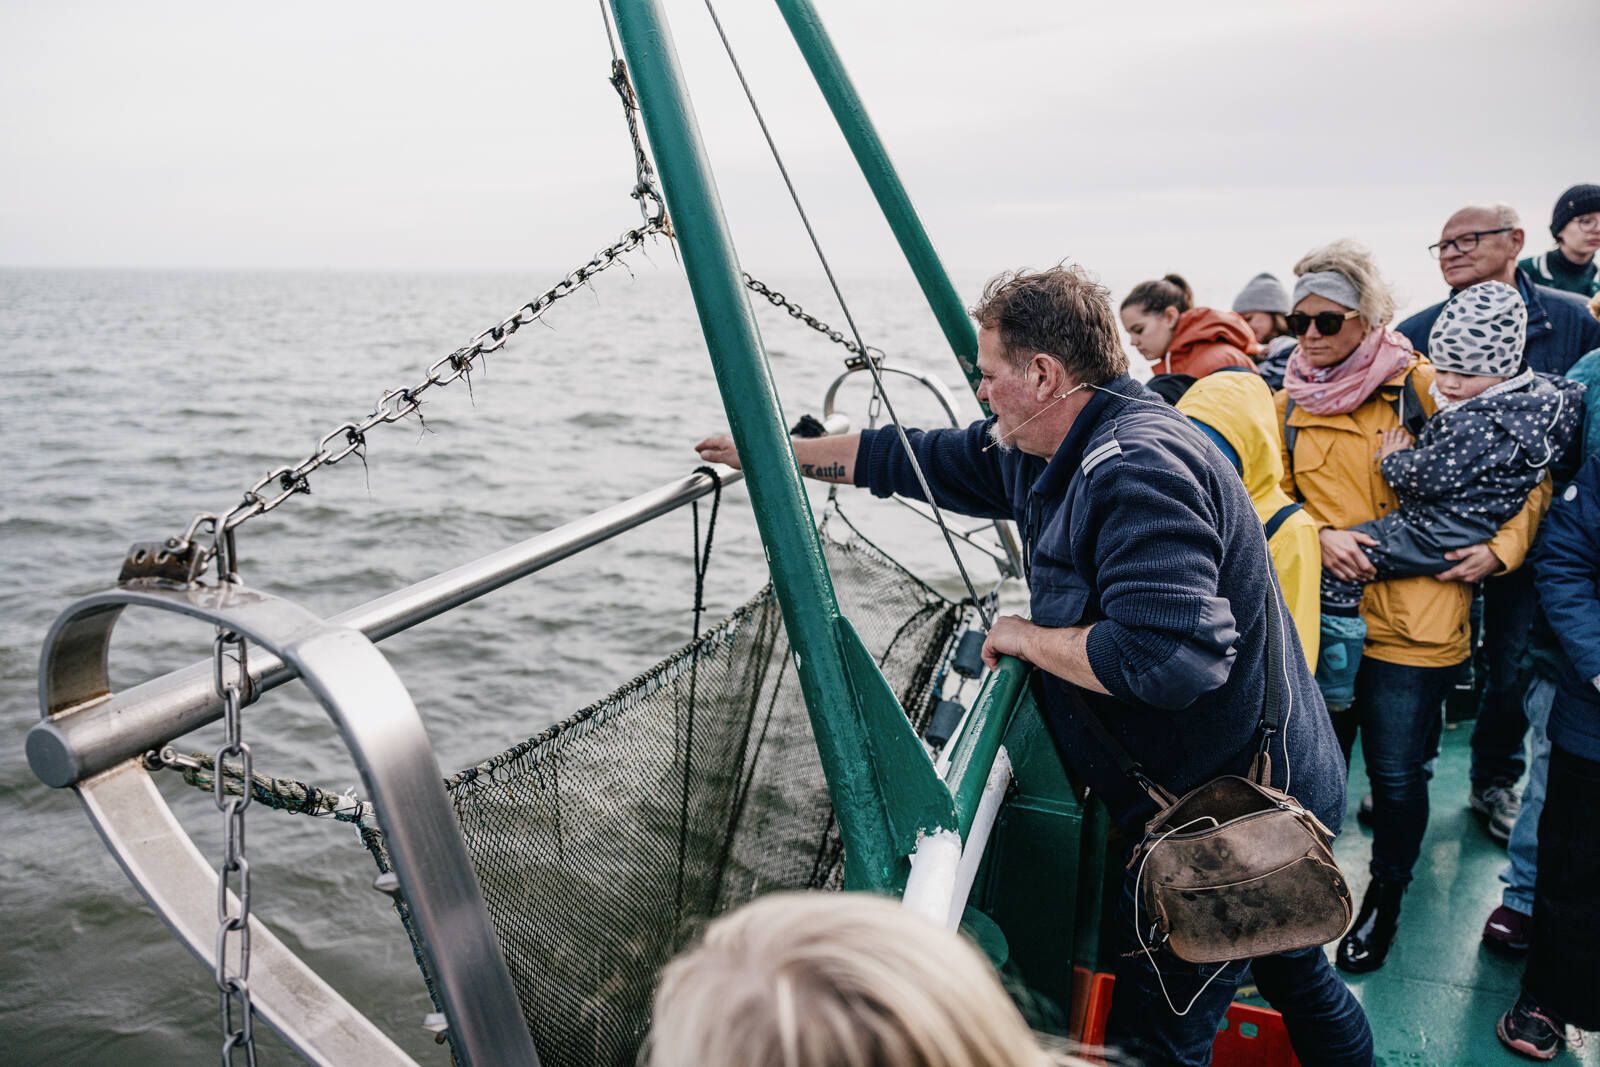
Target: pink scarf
x: 1345, y: 386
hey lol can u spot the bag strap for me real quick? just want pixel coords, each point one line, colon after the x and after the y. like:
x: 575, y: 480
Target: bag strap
x: 1279, y: 517
x: 1125, y: 761
x: 1272, y: 711
x: 1407, y: 405
x: 1271, y: 714
x: 1290, y: 433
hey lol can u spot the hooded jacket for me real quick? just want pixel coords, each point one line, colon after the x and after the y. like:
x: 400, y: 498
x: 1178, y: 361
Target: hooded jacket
x: 1207, y: 340
x: 1566, y: 569
x: 1476, y: 462
x: 1240, y: 408
x: 1415, y: 622
x: 1275, y: 363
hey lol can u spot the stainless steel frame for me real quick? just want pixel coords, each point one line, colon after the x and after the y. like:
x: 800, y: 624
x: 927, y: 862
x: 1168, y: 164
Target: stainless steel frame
x: 94, y: 740
x: 73, y: 744
x: 384, y: 733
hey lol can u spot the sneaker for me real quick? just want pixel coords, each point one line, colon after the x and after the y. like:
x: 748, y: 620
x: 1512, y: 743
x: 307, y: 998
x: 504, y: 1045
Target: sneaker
x: 1499, y: 805
x: 1528, y: 1031
x: 1364, y: 810
x: 1507, y: 930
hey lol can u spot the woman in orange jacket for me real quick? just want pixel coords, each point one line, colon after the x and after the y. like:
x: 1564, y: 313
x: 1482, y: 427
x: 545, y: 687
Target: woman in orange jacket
x: 1179, y: 338
x: 1351, y: 380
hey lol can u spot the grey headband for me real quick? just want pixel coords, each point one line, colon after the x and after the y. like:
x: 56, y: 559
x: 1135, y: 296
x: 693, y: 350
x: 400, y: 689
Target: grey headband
x: 1327, y: 283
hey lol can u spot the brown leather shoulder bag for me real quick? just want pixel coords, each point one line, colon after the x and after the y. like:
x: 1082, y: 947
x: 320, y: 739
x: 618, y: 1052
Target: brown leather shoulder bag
x: 1234, y: 868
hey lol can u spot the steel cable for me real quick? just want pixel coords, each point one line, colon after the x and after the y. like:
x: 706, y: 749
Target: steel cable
x: 872, y: 365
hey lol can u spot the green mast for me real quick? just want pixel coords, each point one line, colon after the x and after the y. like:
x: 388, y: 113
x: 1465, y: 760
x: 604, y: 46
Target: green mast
x: 876, y: 167
x: 883, y: 786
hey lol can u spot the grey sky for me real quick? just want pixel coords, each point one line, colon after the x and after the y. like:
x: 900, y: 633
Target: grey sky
x: 1215, y: 140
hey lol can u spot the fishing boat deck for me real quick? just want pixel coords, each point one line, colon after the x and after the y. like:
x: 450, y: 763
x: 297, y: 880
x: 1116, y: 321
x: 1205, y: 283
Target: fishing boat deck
x: 1437, y: 998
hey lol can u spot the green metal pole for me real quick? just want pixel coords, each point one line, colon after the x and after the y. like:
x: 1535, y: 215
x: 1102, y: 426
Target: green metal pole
x: 878, y: 169
x: 973, y: 755
x: 881, y: 781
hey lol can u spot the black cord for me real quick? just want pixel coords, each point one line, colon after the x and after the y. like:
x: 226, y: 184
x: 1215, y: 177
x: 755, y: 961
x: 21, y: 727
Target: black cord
x: 879, y: 389
x: 701, y: 559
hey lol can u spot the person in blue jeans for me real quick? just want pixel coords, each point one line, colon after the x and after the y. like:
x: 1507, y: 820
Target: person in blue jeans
x: 1561, y: 985
x: 1509, y: 926
x: 1481, y: 243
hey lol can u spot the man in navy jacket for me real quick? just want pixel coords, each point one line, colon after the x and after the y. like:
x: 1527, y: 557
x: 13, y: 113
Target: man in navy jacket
x: 1481, y: 244
x: 1152, y: 595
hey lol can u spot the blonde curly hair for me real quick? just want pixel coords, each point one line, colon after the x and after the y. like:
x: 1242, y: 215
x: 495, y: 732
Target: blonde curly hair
x: 835, y: 980
x: 1355, y: 262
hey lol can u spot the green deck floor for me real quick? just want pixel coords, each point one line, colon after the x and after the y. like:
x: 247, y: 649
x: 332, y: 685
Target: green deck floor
x: 1436, y: 999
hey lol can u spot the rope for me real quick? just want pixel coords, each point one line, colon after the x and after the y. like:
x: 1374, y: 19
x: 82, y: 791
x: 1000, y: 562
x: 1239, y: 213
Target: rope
x: 285, y: 794
x: 879, y: 390
x: 701, y: 559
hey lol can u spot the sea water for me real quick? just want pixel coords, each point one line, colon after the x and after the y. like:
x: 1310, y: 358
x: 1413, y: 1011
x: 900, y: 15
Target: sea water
x: 131, y: 400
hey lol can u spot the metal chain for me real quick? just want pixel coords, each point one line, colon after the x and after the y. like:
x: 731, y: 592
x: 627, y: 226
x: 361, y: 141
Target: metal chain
x: 233, y: 927
x: 651, y: 206
x: 350, y: 438
x: 871, y: 364
x: 778, y: 300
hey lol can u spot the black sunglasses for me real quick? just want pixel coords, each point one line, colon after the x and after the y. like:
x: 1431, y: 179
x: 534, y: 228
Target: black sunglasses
x: 1466, y: 242
x: 1328, y: 322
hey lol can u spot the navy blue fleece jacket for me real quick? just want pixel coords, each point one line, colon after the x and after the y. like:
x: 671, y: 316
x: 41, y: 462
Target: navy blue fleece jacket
x: 1566, y: 571
x: 1560, y: 328
x: 1141, y: 527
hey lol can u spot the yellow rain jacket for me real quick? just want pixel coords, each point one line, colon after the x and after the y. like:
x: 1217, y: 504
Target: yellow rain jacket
x: 1415, y: 622
x: 1238, y: 405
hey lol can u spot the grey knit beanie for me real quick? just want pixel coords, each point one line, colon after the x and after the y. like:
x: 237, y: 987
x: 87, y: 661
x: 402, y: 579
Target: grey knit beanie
x: 1262, y: 293
x: 1482, y: 330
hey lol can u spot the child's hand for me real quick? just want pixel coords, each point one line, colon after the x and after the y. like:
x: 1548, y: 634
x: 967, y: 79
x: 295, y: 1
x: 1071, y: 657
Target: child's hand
x: 1392, y: 441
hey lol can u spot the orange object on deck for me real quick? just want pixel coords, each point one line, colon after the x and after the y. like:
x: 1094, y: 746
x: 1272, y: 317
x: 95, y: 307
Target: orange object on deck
x: 1249, y: 1036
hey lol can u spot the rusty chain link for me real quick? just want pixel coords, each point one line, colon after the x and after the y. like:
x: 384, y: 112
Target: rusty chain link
x: 348, y: 438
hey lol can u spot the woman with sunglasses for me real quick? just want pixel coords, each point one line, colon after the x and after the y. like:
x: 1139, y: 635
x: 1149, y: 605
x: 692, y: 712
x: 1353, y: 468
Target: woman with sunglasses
x: 1352, y: 380
x: 1179, y: 338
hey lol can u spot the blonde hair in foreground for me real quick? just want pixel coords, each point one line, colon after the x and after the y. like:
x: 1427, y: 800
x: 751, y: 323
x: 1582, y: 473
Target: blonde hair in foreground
x: 834, y: 980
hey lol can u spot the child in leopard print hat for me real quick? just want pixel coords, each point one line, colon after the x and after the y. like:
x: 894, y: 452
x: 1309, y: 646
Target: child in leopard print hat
x: 1498, y: 427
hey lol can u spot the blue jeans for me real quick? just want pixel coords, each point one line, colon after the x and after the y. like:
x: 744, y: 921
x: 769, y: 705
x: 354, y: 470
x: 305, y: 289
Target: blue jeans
x: 1509, y: 605
x: 1325, y: 1022
x: 1523, y: 848
x: 1399, y: 709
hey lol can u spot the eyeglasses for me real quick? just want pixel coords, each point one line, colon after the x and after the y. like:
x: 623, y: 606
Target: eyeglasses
x: 1466, y: 242
x: 1328, y: 322
x: 1591, y: 221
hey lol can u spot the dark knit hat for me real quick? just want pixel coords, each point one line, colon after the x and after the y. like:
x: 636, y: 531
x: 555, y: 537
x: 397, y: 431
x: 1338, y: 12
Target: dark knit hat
x: 1579, y: 200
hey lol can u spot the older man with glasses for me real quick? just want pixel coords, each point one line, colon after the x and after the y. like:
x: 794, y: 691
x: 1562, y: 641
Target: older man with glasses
x: 1480, y: 243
